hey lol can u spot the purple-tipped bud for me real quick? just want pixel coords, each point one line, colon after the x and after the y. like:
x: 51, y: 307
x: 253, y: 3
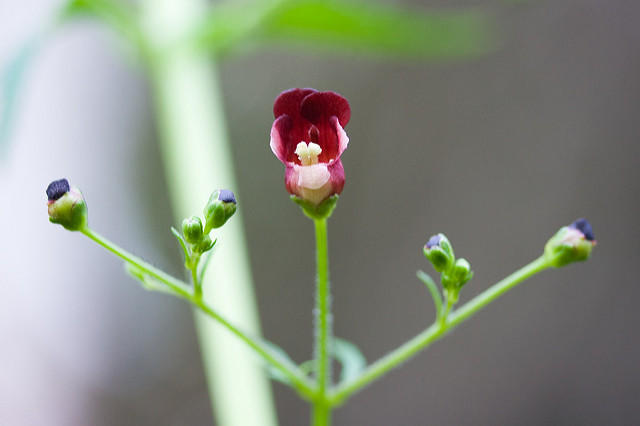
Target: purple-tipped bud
x: 57, y: 189
x: 570, y: 244
x: 66, y: 206
x: 583, y: 226
x: 226, y: 196
x: 434, y: 241
x: 439, y: 252
x: 219, y: 209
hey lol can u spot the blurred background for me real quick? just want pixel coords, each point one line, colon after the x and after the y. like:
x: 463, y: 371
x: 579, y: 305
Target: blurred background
x: 497, y: 151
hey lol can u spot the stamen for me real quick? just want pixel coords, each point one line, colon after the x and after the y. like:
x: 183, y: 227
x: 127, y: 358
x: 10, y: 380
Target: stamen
x: 308, y: 153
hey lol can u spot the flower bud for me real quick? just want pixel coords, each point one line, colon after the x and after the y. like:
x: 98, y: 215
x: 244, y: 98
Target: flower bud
x: 66, y: 206
x: 461, y: 272
x: 570, y: 244
x: 204, y: 245
x: 220, y: 207
x: 192, y: 230
x: 439, y: 252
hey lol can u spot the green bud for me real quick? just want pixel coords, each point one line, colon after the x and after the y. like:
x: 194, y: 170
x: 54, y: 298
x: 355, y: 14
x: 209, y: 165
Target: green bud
x: 66, y: 205
x: 461, y: 272
x: 570, y: 244
x: 219, y: 209
x: 439, y: 252
x: 192, y: 229
x: 204, y: 245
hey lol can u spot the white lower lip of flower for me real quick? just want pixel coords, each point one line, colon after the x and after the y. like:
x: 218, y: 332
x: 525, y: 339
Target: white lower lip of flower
x: 314, y: 182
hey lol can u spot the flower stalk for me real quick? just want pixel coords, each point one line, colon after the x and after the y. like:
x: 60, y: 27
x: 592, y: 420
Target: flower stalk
x: 323, y: 333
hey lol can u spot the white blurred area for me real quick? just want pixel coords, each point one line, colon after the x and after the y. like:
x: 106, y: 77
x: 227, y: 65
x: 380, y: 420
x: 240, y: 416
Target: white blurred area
x: 82, y: 343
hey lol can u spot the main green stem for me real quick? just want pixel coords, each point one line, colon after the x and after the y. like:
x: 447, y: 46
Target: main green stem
x: 321, y: 407
x: 197, y: 160
x: 435, y: 331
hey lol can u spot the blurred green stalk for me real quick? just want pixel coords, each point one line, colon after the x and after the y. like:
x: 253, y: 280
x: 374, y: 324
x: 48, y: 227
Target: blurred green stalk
x: 197, y: 160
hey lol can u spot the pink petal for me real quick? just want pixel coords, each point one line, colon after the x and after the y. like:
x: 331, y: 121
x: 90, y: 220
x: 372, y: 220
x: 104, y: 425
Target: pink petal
x: 343, y: 139
x: 336, y: 170
x: 278, y: 146
x: 314, y: 183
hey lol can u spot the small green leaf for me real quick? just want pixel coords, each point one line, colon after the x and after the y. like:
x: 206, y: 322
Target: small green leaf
x: 433, y: 289
x: 182, y: 242
x: 308, y: 367
x: 272, y: 371
x: 348, y: 27
x: 350, y: 357
x: 147, y: 281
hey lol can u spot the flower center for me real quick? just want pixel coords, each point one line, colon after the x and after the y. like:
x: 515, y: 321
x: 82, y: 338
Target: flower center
x: 308, y: 153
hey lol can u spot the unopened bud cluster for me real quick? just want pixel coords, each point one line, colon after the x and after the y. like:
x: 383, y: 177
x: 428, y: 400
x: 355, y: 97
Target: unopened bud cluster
x: 218, y: 210
x: 454, y: 273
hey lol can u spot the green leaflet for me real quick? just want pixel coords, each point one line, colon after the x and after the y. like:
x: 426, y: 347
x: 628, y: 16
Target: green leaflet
x: 348, y: 27
x: 350, y: 357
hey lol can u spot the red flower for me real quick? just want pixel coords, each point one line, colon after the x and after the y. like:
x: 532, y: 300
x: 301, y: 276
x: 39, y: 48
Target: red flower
x: 308, y: 137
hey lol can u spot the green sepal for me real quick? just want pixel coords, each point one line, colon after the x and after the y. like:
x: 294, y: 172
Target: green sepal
x: 567, y: 246
x: 205, y: 245
x: 70, y: 211
x: 316, y: 212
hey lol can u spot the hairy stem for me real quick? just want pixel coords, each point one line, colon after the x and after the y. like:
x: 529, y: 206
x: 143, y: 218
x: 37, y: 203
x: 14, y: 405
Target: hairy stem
x: 321, y: 409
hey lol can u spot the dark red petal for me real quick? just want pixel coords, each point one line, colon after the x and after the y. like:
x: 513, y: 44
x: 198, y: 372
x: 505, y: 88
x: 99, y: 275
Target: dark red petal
x: 285, y: 136
x: 320, y: 106
x: 331, y: 137
x: 289, y: 101
x: 337, y: 176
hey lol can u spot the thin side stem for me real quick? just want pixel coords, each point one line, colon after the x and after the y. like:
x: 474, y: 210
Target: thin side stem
x: 179, y: 288
x: 197, y: 285
x: 321, y: 409
x: 435, y: 331
x: 175, y: 284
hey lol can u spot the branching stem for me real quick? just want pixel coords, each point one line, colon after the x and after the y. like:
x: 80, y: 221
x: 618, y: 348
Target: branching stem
x: 178, y: 288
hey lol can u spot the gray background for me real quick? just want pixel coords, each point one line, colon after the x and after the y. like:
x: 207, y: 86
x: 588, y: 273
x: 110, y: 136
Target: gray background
x: 496, y: 152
